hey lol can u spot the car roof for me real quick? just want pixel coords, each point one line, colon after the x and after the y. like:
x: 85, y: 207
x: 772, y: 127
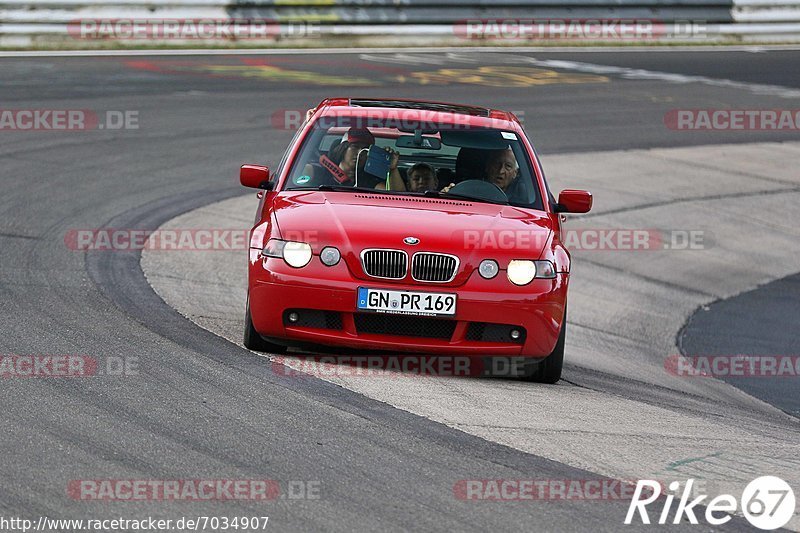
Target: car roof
x: 442, y: 112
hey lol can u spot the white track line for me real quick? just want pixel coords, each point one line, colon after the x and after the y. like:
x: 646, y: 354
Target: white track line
x: 669, y: 77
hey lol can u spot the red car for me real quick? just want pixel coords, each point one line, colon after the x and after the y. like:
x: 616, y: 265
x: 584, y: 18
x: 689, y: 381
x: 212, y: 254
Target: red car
x: 410, y: 226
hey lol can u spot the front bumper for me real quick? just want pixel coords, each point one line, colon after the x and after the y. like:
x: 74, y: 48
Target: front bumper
x: 486, y: 309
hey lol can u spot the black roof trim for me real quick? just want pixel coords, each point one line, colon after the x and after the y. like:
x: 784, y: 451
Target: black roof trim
x: 426, y: 106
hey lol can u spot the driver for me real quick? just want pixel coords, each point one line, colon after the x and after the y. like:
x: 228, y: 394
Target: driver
x: 501, y: 169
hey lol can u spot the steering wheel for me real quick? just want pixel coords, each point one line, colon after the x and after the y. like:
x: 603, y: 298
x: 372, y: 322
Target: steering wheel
x: 480, y: 189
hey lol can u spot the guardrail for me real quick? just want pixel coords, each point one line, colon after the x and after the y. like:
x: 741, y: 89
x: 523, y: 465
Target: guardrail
x: 409, y: 22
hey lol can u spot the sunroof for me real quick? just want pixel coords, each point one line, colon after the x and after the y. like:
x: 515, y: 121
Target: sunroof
x: 426, y: 106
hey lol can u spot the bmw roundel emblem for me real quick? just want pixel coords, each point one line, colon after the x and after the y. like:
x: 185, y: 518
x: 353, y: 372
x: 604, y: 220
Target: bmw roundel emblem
x: 411, y: 240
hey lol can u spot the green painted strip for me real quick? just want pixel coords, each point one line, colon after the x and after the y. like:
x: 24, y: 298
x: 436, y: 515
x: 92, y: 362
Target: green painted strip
x: 677, y: 464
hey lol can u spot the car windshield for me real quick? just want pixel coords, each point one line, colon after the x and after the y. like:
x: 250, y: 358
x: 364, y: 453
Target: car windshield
x: 446, y: 160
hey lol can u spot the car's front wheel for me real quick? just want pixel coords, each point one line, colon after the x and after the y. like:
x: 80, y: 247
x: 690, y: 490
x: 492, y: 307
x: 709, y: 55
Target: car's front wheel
x: 549, y: 369
x: 254, y: 341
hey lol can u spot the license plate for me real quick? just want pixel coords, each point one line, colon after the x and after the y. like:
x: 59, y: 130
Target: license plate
x: 406, y: 302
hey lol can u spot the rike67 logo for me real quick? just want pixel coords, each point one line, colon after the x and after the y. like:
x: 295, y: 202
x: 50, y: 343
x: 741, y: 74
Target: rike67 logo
x: 767, y: 503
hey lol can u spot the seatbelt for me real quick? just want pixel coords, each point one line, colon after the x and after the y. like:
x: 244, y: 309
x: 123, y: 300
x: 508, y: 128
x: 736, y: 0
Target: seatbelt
x: 338, y: 174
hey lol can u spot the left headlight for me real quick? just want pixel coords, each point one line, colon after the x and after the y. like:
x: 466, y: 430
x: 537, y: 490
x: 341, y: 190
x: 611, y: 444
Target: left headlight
x: 296, y: 254
x: 522, y: 272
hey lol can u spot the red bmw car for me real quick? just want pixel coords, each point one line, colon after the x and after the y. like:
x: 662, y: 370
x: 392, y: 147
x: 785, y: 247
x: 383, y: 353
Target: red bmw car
x: 410, y: 226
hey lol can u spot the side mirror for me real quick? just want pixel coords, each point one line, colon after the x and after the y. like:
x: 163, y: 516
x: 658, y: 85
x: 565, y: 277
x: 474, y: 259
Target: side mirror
x: 255, y: 177
x: 574, y: 201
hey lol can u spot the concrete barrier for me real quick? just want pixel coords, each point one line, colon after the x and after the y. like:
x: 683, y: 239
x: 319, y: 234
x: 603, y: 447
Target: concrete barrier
x: 341, y: 22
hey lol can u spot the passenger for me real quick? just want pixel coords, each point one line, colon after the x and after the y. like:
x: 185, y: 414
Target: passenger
x: 445, y: 175
x: 338, y: 167
x: 422, y: 177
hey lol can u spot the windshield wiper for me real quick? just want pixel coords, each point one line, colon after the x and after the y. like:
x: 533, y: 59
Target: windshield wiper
x: 342, y: 188
x: 439, y: 194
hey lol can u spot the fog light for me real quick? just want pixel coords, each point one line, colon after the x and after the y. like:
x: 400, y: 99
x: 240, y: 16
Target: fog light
x: 294, y: 317
x: 515, y: 334
x: 488, y: 268
x: 329, y: 256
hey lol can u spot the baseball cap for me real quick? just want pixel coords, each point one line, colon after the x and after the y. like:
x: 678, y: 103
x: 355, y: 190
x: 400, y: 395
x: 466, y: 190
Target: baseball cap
x: 358, y: 136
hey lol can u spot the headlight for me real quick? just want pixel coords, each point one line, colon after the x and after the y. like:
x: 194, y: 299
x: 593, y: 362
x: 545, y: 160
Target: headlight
x: 521, y: 272
x: 296, y: 254
x: 330, y: 256
x: 488, y: 268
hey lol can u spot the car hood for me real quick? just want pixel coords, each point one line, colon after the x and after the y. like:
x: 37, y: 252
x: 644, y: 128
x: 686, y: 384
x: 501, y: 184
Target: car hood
x: 353, y: 222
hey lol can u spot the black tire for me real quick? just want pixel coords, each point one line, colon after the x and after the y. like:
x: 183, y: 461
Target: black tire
x: 549, y: 370
x: 254, y: 341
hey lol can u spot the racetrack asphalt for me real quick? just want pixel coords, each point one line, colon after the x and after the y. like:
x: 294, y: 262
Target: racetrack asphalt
x: 201, y: 407
x: 761, y: 321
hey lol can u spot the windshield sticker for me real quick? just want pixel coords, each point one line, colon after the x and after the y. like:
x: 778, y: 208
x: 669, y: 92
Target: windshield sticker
x: 507, y: 135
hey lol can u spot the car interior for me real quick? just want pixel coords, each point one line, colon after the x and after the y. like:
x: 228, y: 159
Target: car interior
x: 457, y: 156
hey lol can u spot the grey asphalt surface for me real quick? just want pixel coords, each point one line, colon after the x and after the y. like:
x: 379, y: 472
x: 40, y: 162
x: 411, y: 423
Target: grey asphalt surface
x: 761, y: 322
x: 200, y: 407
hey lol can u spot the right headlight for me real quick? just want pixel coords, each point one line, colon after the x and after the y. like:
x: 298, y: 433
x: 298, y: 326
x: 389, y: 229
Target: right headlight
x: 296, y: 254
